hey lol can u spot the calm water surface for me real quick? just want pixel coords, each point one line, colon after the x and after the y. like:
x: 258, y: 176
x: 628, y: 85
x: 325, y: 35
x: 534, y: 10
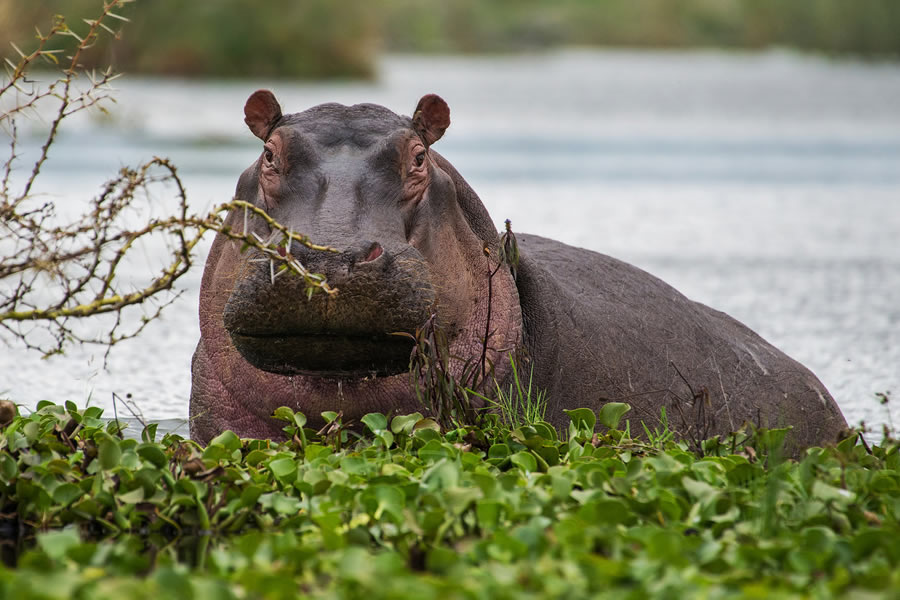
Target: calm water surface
x: 765, y: 185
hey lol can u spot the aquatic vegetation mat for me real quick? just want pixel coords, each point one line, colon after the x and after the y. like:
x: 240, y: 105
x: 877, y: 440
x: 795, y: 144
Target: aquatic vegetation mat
x: 408, y: 510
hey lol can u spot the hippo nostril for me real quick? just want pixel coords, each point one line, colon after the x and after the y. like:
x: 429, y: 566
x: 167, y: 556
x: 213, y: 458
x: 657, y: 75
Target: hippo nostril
x: 374, y: 252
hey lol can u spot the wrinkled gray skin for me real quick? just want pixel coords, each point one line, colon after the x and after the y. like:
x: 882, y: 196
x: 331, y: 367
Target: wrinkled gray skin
x: 412, y: 237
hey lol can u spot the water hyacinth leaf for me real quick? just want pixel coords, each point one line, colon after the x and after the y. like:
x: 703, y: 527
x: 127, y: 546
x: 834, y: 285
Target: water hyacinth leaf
x: 498, y: 451
x: 528, y: 437
x: 109, y: 453
x: 284, y: 469
x: 192, y: 489
x: 665, y: 465
x: 32, y: 431
x: 57, y: 543
x: 457, y: 499
x: 441, y: 560
x: 299, y: 420
x: 525, y: 461
x: 549, y: 454
x: 313, y: 451
x: 668, y: 546
x: 611, y: 414
x: 869, y: 541
x: 771, y: 441
x: 442, y: 475
x: 698, y: 490
x: 280, y: 503
x: 257, y: 456
x: 66, y: 493
x: 375, y: 422
x: 329, y: 523
x: 133, y: 497
x: 427, y: 434
x: 434, y: 450
x: 405, y: 423
x: 59, y: 467
x: 354, y: 465
x: 283, y: 413
x: 381, y: 499
x: 546, y: 431
x: 149, y: 479
x: 574, y: 450
x: 91, y: 413
x: 216, y: 452
x: 87, y: 507
x: 847, y: 445
x: 885, y: 483
x: 610, y: 511
x: 8, y: 468
x: 488, y: 513
x: 71, y: 407
x: 251, y: 494
x: 830, y: 493
x: 153, y: 454
x: 744, y: 474
x: 148, y: 434
x: 427, y: 424
x: 709, y: 470
x: 227, y: 439
x: 386, y: 438
x: 356, y: 565
x: 583, y: 419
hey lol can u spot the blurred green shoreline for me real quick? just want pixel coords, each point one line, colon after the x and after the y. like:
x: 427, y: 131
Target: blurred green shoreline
x: 320, y: 39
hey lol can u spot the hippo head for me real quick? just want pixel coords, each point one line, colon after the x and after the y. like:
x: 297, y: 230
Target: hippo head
x: 412, y: 241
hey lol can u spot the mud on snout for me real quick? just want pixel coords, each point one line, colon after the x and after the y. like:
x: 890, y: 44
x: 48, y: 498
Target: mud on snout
x: 350, y: 334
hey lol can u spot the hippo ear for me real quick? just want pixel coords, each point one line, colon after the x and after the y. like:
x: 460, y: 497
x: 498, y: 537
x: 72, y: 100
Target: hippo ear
x: 431, y: 119
x: 261, y: 112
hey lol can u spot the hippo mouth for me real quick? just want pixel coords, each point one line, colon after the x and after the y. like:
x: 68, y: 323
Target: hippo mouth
x: 345, y: 356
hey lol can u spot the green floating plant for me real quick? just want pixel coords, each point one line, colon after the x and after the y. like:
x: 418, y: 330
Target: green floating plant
x: 406, y: 509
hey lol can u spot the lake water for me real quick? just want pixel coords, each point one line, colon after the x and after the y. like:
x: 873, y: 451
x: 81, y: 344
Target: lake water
x: 765, y: 185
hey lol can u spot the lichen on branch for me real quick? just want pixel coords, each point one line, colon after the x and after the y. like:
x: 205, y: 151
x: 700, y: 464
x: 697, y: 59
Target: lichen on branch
x: 58, y: 271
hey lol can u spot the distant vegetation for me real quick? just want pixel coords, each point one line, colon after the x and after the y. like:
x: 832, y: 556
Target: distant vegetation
x: 320, y: 38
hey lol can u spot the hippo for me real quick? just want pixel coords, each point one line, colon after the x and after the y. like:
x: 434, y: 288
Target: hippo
x: 412, y: 242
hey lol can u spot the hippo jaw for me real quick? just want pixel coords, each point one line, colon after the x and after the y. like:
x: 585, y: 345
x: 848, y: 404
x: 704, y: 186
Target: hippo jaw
x: 364, y: 330
x: 331, y: 355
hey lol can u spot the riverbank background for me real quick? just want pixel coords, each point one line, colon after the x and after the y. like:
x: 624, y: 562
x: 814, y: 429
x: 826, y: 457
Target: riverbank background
x: 747, y: 152
x: 323, y: 39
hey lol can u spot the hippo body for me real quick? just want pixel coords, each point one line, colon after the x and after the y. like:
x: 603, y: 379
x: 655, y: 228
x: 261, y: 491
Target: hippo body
x: 601, y: 329
x: 414, y: 241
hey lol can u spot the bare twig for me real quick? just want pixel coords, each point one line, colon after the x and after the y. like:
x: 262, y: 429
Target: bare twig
x: 55, y: 274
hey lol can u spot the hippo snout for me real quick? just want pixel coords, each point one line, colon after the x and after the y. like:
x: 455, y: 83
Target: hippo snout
x: 357, y: 332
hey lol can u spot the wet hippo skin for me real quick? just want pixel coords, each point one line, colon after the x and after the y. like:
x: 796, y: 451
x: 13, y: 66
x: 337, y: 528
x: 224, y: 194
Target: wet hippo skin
x: 413, y: 241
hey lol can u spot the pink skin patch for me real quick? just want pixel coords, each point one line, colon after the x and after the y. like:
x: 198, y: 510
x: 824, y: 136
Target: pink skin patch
x: 374, y: 253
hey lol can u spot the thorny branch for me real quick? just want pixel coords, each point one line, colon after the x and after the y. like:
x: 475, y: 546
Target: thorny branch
x: 55, y: 272
x: 443, y: 381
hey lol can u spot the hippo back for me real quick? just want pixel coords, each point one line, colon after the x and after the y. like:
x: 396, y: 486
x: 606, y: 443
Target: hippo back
x: 601, y: 330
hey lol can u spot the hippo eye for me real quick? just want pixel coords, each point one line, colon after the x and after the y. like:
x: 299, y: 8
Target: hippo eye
x: 420, y: 158
x: 268, y: 155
